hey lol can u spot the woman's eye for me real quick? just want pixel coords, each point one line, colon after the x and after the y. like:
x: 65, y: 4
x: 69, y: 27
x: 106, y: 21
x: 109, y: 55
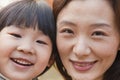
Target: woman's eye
x: 67, y: 31
x: 98, y: 33
x: 16, y: 35
x: 41, y: 42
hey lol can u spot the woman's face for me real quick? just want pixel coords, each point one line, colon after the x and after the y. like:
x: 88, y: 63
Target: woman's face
x: 87, y: 38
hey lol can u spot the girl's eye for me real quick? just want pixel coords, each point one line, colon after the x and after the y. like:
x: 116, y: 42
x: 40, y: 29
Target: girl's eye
x: 41, y: 42
x: 98, y: 33
x: 16, y: 35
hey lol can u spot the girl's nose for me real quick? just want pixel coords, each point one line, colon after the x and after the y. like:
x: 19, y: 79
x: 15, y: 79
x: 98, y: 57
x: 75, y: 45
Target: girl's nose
x: 26, y: 47
x: 81, y: 48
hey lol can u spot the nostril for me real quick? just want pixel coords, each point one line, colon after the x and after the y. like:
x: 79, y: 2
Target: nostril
x: 81, y: 50
x: 26, y: 49
x: 88, y: 51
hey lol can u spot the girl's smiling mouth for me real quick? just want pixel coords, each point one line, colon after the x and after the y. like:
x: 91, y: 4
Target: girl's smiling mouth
x: 22, y: 61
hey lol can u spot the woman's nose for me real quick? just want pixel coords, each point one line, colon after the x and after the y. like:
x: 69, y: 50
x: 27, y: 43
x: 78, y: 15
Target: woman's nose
x: 81, y: 48
x: 26, y: 47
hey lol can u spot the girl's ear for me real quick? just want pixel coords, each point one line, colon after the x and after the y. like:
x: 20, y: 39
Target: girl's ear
x: 119, y: 47
x: 51, y: 61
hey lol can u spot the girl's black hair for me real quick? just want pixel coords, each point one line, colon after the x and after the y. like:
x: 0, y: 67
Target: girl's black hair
x: 30, y: 14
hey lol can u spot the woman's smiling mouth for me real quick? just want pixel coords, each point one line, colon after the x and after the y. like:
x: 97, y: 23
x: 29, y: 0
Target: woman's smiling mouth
x: 84, y: 65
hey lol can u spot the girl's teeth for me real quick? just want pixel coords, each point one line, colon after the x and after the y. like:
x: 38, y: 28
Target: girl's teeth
x: 22, y: 62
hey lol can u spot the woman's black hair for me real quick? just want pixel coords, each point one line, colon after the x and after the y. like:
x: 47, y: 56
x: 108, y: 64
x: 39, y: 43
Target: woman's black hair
x: 113, y: 73
x: 30, y: 14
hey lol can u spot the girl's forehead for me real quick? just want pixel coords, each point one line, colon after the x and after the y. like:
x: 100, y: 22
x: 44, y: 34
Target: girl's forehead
x: 4, y: 3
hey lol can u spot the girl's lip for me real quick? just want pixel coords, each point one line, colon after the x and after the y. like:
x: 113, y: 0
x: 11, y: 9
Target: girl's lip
x: 83, y: 65
x: 22, y: 61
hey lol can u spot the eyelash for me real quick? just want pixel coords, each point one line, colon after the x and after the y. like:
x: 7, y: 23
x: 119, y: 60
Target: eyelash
x: 99, y: 33
x: 69, y: 31
x: 41, y: 42
x: 19, y: 36
x: 16, y: 35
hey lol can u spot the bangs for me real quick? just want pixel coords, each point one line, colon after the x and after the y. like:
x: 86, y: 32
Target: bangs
x: 28, y: 14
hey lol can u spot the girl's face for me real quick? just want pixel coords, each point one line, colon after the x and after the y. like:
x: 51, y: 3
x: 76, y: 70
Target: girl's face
x: 24, y: 52
x: 87, y: 38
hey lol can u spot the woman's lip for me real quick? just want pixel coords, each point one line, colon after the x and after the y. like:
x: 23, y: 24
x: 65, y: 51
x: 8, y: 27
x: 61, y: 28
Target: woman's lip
x: 83, y: 65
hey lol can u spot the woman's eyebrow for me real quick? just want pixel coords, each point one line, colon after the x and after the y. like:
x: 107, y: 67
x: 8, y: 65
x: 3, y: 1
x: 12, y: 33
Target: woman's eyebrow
x: 100, y: 25
x: 64, y: 22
